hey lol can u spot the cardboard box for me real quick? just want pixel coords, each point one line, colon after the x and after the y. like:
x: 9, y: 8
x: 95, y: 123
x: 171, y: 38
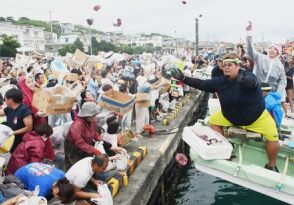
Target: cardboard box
x: 79, y: 57
x: 67, y: 76
x: 59, y: 75
x: 125, y: 137
x: 22, y: 60
x: 71, y: 77
x: 37, y: 56
x: 55, y: 100
x: 146, y: 98
x: 117, y: 101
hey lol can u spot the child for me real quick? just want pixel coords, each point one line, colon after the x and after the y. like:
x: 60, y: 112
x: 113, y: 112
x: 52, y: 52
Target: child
x: 111, y: 135
x: 31, y: 149
x: 110, y: 150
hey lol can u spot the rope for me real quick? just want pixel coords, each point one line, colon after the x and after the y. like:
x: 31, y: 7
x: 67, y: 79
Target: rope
x: 282, y: 179
x: 238, y: 168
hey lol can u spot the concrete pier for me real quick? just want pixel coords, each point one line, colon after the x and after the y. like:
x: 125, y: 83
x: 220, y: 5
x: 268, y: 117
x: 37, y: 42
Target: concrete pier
x: 161, y: 150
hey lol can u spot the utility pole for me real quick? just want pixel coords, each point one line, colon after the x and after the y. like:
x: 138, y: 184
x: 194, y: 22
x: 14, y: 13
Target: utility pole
x: 197, y: 35
x: 90, y: 37
x: 51, y: 28
x: 176, y: 42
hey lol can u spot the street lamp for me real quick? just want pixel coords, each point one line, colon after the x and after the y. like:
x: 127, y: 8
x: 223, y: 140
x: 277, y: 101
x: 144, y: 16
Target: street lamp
x: 197, y: 34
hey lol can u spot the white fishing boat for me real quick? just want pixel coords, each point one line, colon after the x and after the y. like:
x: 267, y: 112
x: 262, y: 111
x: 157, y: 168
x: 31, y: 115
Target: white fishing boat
x: 240, y: 158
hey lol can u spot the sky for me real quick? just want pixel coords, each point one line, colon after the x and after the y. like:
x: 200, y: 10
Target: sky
x: 223, y: 20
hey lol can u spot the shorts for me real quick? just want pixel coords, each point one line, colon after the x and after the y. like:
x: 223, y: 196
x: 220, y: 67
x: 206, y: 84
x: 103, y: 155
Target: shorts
x: 265, y: 125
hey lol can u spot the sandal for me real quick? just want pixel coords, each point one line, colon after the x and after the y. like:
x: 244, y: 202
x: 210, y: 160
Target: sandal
x: 272, y: 168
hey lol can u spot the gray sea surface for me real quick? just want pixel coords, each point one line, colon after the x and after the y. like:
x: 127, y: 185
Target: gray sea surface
x: 198, y: 188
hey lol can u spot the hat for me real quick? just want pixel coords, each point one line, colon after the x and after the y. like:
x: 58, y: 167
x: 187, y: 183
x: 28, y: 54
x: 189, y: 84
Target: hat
x: 88, y: 109
x: 277, y: 47
x: 265, y: 87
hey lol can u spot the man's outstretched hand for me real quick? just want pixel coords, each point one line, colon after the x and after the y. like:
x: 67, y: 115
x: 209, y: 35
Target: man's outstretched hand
x: 177, y: 74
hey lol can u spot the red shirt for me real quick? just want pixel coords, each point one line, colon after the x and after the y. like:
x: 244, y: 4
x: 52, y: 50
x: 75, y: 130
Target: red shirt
x: 81, y: 134
x: 31, y: 149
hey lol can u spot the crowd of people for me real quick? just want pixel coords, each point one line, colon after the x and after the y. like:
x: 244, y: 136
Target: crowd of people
x: 236, y: 80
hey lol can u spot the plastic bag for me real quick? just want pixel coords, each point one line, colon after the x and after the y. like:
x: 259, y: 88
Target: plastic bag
x: 35, y: 199
x: 57, y: 137
x: 164, y: 101
x: 6, y: 146
x: 5, y: 133
x: 122, y: 163
x: 106, y: 197
x: 6, y: 138
x: 99, y: 146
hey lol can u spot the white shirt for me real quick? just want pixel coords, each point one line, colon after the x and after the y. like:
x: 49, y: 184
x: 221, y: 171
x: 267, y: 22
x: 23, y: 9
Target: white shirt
x: 110, y: 138
x: 80, y: 173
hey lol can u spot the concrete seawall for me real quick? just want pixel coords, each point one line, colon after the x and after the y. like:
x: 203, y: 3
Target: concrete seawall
x: 161, y: 149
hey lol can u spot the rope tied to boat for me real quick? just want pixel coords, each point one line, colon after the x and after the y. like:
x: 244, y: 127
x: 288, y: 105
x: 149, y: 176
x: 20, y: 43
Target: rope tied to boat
x: 238, y: 168
x: 279, y: 186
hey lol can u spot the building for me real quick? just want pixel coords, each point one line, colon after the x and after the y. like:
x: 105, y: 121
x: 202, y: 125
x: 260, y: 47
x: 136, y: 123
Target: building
x: 67, y: 28
x: 10, y: 30
x: 68, y: 38
x: 30, y: 38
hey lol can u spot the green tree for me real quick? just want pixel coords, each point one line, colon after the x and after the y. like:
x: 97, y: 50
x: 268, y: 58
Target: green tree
x: 149, y: 49
x: 9, y: 46
x: 10, y: 19
x: 79, y: 44
x: 69, y: 48
x: 125, y: 49
x: 138, y: 50
x: 2, y: 19
x: 102, y: 46
x: 23, y: 18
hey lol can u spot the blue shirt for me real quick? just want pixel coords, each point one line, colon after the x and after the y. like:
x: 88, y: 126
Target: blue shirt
x: 40, y: 174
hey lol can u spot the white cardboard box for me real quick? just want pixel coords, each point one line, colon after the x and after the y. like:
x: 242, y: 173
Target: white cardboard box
x: 209, y: 144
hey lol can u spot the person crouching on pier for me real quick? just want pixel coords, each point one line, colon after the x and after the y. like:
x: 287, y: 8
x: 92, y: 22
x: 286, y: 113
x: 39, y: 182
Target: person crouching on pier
x: 79, y: 141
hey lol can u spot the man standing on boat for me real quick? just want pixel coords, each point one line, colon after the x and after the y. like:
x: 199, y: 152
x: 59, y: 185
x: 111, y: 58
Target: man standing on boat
x: 241, y: 102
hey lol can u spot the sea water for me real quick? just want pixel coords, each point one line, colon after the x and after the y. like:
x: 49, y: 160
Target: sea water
x: 195, y: 187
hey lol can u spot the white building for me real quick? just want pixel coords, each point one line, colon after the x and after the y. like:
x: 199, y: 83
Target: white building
x: 30, y: 38
x: 8, y: 29
x: 69, y: 38
x: 50, y: 37
x: 67, y: 28
x: 142, y: 40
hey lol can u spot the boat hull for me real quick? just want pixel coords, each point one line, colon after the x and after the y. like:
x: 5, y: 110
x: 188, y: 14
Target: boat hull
x: 248, y: 175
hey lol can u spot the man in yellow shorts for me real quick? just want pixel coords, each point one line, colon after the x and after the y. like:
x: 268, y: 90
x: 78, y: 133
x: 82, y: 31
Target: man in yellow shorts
x: 242, y: 103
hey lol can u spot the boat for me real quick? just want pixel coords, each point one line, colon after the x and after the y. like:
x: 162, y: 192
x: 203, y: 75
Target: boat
x: 245, y: 164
